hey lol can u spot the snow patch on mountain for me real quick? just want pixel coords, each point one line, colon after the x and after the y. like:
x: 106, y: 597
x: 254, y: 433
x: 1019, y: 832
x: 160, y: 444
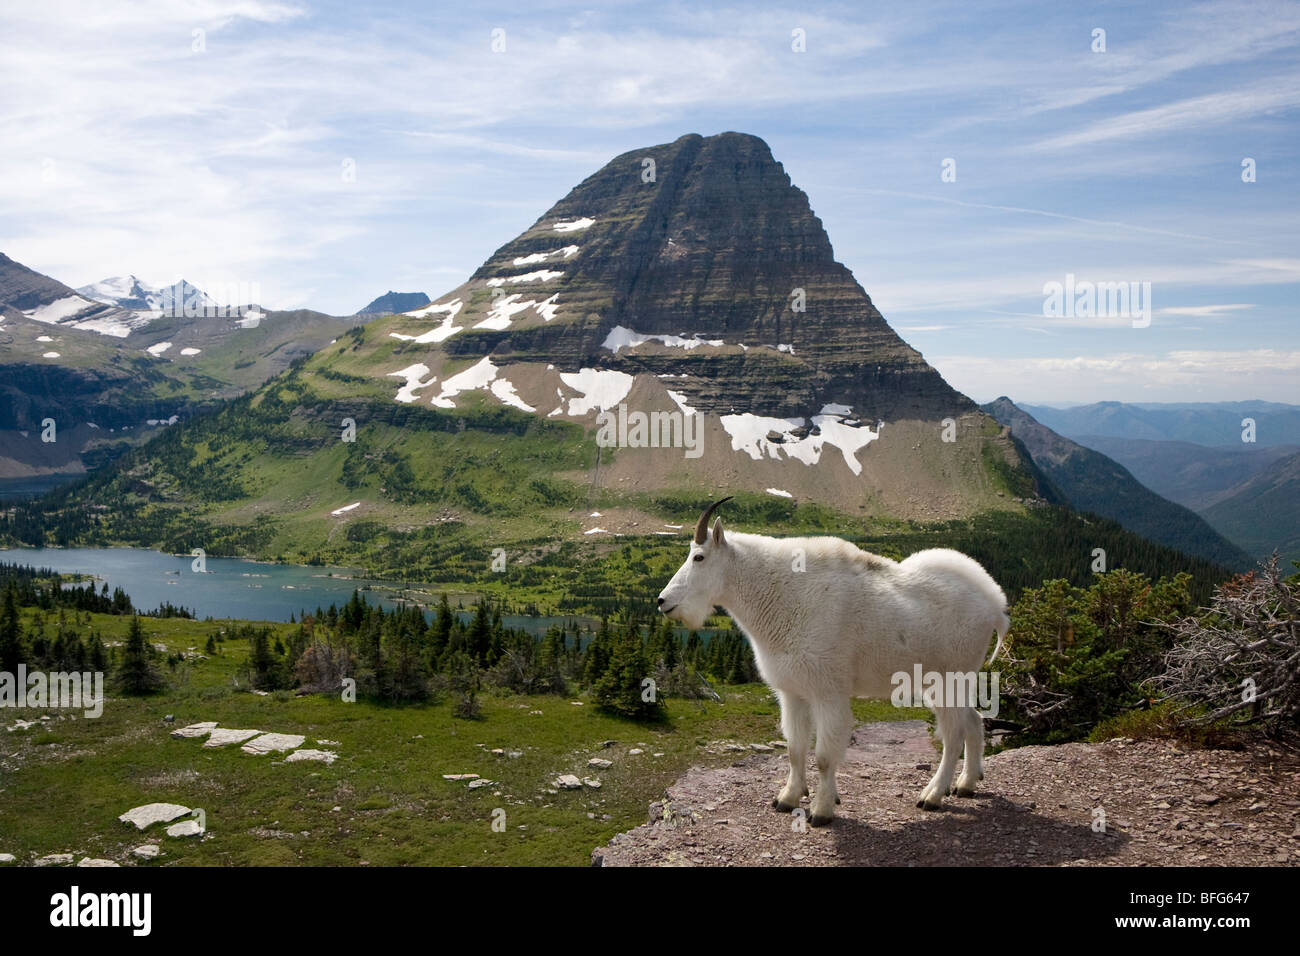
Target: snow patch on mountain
x: 749, y: 434
x: 574, y: 225
x: 541, y: 275
x: 566, y: 252
x: 452, y: 308
x: 620, y: 337
x: 413, y: 375
x: 600, y: 389
x: 504, y: 309
x: 475, y: 377
x: 54, y: 312
x: 505, y: 390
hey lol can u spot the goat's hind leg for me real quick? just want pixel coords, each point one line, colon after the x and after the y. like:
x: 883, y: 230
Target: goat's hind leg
x: 972, y: 771
x: 796, y: 724
x: 950, y: 728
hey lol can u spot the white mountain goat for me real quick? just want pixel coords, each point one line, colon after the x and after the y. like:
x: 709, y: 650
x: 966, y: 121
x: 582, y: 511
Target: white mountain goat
x: 829, y: 622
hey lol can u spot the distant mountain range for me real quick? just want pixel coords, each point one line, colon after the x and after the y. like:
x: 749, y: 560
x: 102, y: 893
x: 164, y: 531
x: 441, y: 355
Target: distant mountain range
x: 1263, y: 512
x: 1090, y: 481
x: 1193, y: 455
x: 107, y: 360
x: 1203, y: 423
x: 179, y: 299
x: 391, y: 303
x: 1195, y: 476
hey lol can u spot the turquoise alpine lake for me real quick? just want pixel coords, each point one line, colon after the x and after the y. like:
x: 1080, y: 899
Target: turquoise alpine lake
x: 248, y: 590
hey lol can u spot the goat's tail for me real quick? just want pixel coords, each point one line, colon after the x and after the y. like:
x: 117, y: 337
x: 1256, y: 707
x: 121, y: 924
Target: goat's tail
x: 1004, y: 625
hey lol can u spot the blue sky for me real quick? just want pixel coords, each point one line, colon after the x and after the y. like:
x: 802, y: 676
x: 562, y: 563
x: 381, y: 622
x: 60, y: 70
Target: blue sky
x: 129, y: 151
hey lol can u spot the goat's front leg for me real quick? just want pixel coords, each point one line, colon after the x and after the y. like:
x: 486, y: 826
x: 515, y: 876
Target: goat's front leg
x: 796, y: 724
x: 834, y: 719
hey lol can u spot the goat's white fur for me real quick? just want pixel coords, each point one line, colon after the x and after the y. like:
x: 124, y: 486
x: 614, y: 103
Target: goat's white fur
x: 840, y: 629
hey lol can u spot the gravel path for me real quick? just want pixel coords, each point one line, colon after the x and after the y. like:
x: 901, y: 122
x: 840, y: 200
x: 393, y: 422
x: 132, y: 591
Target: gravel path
x: 1161, y: 805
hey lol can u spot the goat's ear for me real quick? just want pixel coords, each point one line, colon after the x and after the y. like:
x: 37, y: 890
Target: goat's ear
x: 717, y: 532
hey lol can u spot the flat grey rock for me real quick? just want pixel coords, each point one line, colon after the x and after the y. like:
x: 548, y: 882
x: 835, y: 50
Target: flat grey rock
x: 89, y: 861
x: 152, y: 813
x: 460, y: 776
x: 7, y: 858
x: 273, y: 743
x: 475, y: 784
x: 195, y: 730
x: 186, y: 828
x: 568, y: 782
x: 600, y: 763
x: 224, y: 736
x: 324, y: 756
x: 147, y: 851
x: 55, y: 859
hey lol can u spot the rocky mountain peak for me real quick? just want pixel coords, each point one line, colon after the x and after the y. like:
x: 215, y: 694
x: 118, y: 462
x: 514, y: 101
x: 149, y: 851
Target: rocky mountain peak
x: 704, y: 260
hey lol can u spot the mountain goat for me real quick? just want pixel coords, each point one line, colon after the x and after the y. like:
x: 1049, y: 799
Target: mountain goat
x: 829, y: 622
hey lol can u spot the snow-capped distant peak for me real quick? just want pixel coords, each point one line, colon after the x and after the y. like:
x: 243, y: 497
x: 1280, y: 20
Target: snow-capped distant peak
x: 128, y: 292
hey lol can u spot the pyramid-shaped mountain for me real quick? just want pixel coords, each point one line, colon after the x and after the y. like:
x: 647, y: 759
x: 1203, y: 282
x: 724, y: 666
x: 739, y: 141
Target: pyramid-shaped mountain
x: 694, y: 277
x: 700, y: 259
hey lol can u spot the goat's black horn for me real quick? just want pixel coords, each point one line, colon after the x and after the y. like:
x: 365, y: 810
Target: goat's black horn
x: 702, y: 528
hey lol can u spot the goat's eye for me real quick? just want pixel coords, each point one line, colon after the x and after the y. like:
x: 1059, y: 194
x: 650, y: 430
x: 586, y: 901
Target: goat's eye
x: 699, y: 557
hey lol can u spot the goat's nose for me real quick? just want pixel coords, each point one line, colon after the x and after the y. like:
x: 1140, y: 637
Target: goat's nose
x: 661, y: 602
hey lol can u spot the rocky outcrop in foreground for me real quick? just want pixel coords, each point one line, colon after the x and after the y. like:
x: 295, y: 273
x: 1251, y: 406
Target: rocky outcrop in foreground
x: 1118, y: 803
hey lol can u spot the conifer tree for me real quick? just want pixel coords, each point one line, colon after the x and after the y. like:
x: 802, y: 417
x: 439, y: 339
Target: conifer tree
x: 137, y: 674
x: 11, y: 631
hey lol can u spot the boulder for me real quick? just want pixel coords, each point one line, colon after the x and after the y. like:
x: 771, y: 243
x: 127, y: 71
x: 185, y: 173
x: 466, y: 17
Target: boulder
x: 146, y: 851
x: 273, y: 743
x: 324, y: 756
x: 599, y: 763
x: 224, y: 737
x: 568, y: 782
x: 186, y: 828
x: 151, y: 813
x: 89, y: 861
x: 195, y: 730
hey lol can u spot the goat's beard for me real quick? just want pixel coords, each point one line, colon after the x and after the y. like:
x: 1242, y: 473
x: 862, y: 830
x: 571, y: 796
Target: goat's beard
x: 689, y: 617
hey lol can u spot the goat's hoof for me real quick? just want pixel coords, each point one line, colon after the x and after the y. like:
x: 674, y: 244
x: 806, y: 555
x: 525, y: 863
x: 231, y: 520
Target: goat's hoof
x: 817, y: 821
x: 783, y: 807
x: 930, y: 804
x: 837, y: 801
x: 964, y: 791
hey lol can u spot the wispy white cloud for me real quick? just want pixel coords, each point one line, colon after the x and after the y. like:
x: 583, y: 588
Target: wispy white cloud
x: 1171, y: 376
x: 1210, y: 110
x: 127, y: 151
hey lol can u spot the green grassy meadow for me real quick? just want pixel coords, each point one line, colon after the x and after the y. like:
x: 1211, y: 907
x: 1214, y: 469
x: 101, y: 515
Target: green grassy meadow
x: 64, y: 782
